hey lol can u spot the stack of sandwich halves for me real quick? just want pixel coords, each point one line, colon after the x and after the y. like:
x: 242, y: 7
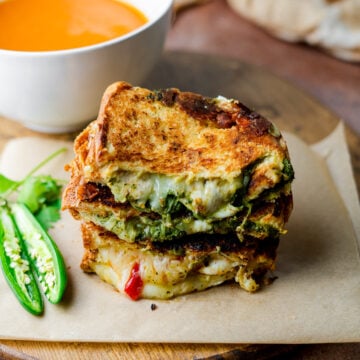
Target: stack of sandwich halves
x: 178, y: 192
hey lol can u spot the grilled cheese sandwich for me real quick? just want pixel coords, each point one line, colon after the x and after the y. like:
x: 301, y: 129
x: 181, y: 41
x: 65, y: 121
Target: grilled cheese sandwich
x: 160, y: 167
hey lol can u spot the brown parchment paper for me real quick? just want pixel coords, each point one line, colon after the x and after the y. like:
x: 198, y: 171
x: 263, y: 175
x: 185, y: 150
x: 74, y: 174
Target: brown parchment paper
x: 316, y: 297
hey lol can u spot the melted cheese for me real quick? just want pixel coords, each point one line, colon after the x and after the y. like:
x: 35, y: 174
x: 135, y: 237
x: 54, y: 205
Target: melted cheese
x: 203, y: 197
x: 165, y: 277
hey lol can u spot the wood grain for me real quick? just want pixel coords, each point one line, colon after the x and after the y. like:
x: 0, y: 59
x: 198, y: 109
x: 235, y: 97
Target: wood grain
x: 215, y: 29
x: 290, y: 108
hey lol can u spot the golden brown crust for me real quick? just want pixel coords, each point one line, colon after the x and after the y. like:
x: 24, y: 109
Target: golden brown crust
x: 90, y: 253
x: 80, y: 196
x: 172, y: 132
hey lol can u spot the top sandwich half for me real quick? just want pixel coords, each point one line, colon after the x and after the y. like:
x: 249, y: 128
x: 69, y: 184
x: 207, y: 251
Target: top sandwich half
x: 181, y: 154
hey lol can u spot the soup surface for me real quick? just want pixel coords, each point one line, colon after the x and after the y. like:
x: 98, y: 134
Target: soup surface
x: 45, y: 25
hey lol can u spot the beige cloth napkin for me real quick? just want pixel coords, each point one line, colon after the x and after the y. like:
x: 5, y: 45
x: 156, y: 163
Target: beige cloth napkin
x: 333, y: 25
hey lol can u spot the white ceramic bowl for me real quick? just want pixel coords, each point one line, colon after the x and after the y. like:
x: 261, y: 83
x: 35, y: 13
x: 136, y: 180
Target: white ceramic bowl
x: 60, y: 91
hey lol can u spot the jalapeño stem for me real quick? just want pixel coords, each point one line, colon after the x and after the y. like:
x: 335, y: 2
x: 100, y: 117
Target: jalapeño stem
x: 34, y: 170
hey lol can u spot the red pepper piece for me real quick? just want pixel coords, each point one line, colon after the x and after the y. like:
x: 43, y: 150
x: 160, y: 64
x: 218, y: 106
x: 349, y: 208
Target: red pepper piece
x: 134, y: 285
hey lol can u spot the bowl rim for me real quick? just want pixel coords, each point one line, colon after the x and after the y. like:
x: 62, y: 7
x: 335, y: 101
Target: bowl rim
x: 84, y: 49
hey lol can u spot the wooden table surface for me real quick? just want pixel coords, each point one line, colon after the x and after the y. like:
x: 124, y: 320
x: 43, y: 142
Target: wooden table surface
x: 288, y: 106
x: 214, y: 28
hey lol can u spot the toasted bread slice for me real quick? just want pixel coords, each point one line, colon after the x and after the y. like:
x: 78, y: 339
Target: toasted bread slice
x: 172, y: 132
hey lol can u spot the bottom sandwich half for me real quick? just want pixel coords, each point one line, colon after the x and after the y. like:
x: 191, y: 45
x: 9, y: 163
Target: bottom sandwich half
x: 162, y: 270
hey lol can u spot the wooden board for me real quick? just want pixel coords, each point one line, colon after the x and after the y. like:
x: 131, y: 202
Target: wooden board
x: 290, y: 108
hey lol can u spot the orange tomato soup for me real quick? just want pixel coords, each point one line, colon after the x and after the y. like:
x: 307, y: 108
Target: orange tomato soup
x: 45, y: 25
